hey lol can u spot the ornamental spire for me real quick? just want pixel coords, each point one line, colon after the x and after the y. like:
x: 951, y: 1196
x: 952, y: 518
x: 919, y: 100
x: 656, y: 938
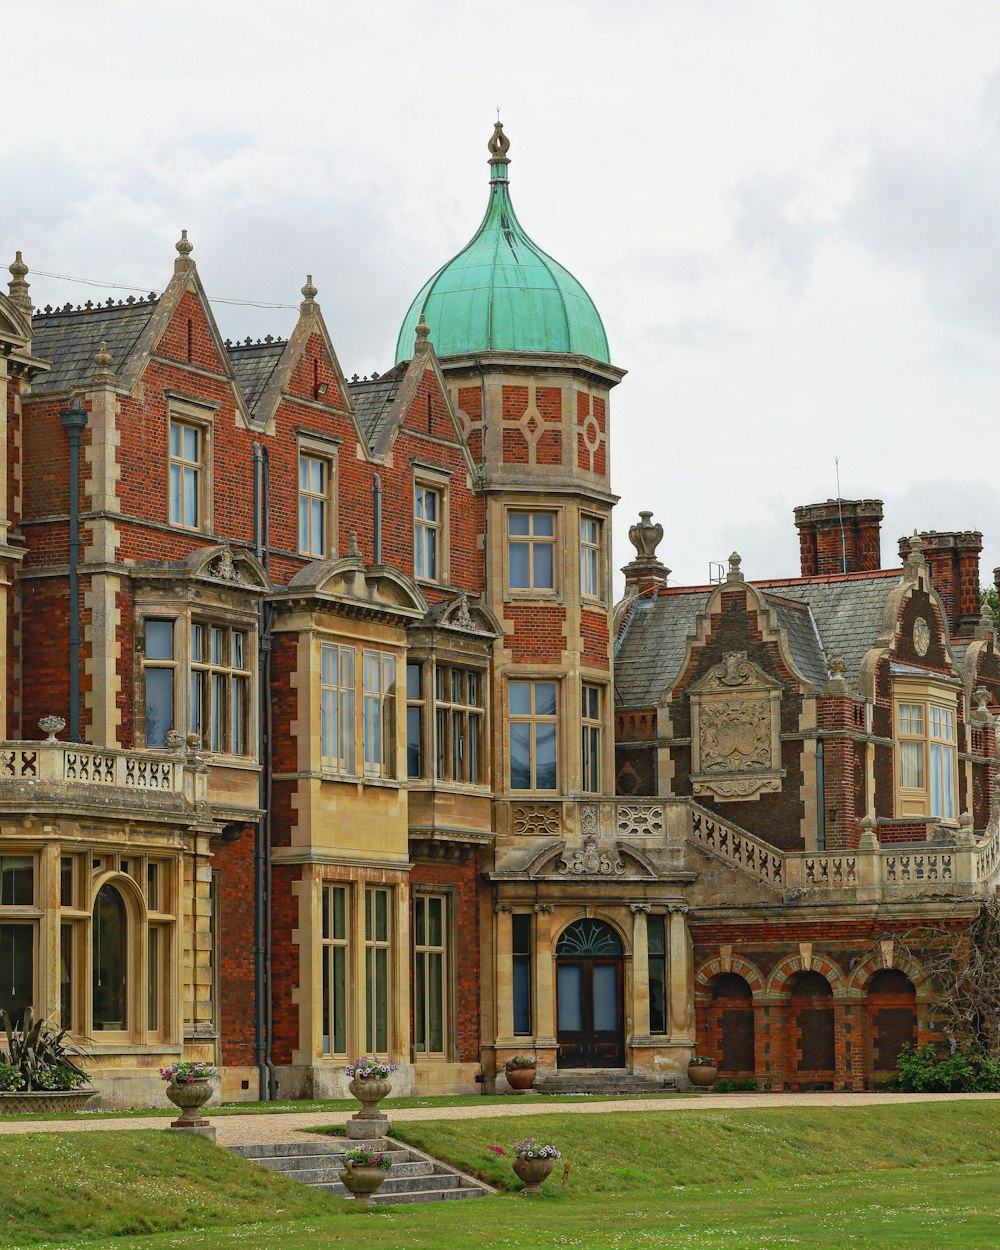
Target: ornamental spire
x: 498, y: 146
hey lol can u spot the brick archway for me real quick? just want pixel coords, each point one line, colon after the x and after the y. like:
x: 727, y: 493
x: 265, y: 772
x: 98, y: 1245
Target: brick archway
x: 712, y: 968
x: 777, y: 982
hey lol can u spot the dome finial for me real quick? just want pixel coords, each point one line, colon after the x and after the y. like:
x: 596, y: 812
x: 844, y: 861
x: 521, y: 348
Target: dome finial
x: 309, y: 293
x: 498, y: 146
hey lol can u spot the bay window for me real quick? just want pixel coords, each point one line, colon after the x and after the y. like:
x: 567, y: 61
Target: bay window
x: 533, y: 725
x: 927, y: 751
x: 379, y: 713
x: 458, y: 724
x: 337, y: 715
x: 531, y: 550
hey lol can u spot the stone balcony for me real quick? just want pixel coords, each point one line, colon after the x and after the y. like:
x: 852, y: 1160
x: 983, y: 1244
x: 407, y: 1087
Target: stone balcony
x: 970, y: 865
x: 70, y: 778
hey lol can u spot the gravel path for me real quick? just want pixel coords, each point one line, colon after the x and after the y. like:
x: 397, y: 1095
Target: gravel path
x: 245, y: 1130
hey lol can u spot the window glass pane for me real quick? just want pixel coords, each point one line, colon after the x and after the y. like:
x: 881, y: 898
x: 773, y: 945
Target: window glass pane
x: 339, y: 1000
x: 522, y: 996
x: 520, y: 698
x: 413, y: 681
x: 381, y: 1000
x: 197, y: 725
x: 657, y: 995
x: 17, y: 986
x: 17, y: 883
x: 520, y: 565
x: 435, y: 1002
x: 218, y: 645
x: 238, y: 713
x: 66, y: 977
x: 414, y: 742
x: 109, y: 961
x: 654, y: 935
x: 435, y: 922
x: 159, y: 705
x: 545, y: 698
x: 570, y: 992
x: 545, y: 757
x: 159, y: 640
x: 191, y: 497
x: 419, y: 1004
x: 475, y: 749
x: 239, y: 642
x: 519, y: 523
x: 544, y: 523
x: 381, y: 916
x: 197, y: 643
x: 190, y: 443
x: 66, y: 881
x: 218, y: 712
x: 153, y: 886
x: 420, y: 921
x: 175, y: 439
x: 544, y: 576
x: 520, y: 757
x: 153, y: 980
x: 521, y: 934
x: 911, y: 765
x: 605, y: 983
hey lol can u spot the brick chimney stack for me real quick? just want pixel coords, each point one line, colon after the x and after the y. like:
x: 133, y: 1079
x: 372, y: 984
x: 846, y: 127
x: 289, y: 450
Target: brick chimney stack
x: 953, y: 560
x: 839, y: 533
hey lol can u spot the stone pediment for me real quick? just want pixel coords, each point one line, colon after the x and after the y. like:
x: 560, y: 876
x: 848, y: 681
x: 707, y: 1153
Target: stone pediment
x: 232, y: 568
x: 352, y: 582
x: 593, y: 859
x: 466, y: 615
x: 735, y: 731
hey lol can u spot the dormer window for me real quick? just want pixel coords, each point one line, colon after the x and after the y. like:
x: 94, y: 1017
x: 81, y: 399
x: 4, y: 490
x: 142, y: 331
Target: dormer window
x: 927, y: 753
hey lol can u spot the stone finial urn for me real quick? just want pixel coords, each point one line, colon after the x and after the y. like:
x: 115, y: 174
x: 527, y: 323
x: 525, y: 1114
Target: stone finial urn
x: 370, y: 1091
x: 190, y: 1096
x: 645, y: 536
x: 532, y: 1172
x: 362, y: 1180
x: 51, y: 725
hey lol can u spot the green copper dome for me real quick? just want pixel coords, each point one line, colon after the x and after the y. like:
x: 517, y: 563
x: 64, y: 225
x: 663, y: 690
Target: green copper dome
x: 502, y: 292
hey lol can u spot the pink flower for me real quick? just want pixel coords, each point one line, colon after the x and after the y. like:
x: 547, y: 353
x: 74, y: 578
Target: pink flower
x: 497, y: 1150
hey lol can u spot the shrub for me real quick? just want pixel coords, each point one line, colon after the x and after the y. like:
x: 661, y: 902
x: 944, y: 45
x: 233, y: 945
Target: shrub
x: 736, y: 1084
x: 36, y: 1050
x: 59, y: 1078
x: 925, y: 1070
x: 10, y: 1078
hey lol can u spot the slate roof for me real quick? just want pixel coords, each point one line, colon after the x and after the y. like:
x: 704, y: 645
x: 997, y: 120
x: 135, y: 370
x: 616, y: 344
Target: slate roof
x: 837, y: 614
x: 373, y: 401
x: 253, y: 364
x: 69, y: 338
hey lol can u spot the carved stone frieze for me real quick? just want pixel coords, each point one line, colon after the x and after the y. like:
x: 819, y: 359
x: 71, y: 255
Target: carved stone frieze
x: 736, y: 746
x: 592, y: 860
x: 536, y: 820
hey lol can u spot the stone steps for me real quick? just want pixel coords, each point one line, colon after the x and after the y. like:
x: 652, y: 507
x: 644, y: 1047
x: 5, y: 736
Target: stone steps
x: 598, y: 1081
x: 413, y: 1177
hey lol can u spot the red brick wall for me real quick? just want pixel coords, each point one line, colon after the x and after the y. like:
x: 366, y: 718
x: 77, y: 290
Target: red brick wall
x: 234, y: 860
x: 539, y: 632
x: 460, y: 880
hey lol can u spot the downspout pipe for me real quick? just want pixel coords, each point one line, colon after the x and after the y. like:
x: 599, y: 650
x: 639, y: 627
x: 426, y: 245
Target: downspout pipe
x: 377, y: 517
x: 267, y: 761
x: 820, y: 796
x: 74, y: 422
x: 260, y: 831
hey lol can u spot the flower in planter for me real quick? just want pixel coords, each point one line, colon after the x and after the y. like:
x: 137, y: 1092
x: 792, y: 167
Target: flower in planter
x: 365, y: 1069
x: 367, y: 1158
x: 188, y: 1070
x: 529, y: 1148
x: 702, y: 1061
x: 520, y: 1061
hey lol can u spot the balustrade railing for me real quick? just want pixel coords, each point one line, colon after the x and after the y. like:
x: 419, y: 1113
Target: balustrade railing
x: 74, y: 764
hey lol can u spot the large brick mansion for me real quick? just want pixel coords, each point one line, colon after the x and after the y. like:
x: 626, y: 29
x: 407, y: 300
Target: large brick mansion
x: 359, y: 756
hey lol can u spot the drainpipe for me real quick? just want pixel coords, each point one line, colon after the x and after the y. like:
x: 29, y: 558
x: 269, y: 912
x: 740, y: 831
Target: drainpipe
x: 74, y: 422
x: 820, y: 796
x: 263, y: 1003
x: 377, y: 517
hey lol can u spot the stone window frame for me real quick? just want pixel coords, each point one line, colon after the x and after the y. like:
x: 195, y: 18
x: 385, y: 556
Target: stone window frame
x: 27, y: 915
x: 327, y: 945
x: 326, y: 449
x: 449, y: 1024
x: 433, y: 479
x: 201, y: 417
x: 598, y: 596
x: 589, y: 726
x: 531, y: 508
x: 370, y: 946
x: 927, y: 693
x: 184, y: 615
x: 557, y: 718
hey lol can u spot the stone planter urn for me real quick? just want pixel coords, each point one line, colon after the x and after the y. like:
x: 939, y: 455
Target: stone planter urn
x: 520, y: 1078
x: 190, y: 1097
x: 532, y: 1172
x: 702, y: 1074
x: 362, y: 1180
x: 45, y: 1101
x: 369, y: 1091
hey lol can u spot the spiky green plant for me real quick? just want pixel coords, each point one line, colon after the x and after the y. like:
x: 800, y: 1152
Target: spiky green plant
x: 38, y: 1050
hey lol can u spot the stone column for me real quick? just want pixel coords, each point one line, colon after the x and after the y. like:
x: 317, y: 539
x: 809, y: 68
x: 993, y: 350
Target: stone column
x: 545, y: 980
x: 504, y: 987
x: 47, y: 988
x: 640, y: 970
x: 681, y: 976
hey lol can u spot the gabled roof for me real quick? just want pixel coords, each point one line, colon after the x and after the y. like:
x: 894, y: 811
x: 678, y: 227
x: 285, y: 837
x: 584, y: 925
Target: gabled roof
x: 253, y: 364
x: 820, y: 617
x: 373, y: 400
x: 69, y: 338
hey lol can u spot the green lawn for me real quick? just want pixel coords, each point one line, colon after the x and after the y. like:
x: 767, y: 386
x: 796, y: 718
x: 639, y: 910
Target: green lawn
x: 892, y: 1178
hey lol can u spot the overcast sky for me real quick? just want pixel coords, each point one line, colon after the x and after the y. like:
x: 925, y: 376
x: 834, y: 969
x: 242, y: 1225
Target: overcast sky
x: 788, y: 214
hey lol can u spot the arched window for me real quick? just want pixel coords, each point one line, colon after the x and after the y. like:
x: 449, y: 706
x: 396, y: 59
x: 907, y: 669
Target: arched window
x: 110, y: 961
x: 731, y: 1025
x: 589, y: 937
x: 892, y: 1017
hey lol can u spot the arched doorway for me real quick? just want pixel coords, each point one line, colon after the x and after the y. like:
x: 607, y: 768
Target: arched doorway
x: 110, y: 961
x: 731, y: 1028
x: 811, y: 1022
x: 891, y: 1011
x: 589, y: 976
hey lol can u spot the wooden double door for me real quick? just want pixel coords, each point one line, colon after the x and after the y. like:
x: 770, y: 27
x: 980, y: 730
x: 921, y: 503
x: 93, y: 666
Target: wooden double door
x: 590, y: 1017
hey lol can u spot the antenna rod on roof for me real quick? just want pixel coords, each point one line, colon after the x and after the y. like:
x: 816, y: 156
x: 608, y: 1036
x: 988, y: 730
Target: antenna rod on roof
x: 840, y: 510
